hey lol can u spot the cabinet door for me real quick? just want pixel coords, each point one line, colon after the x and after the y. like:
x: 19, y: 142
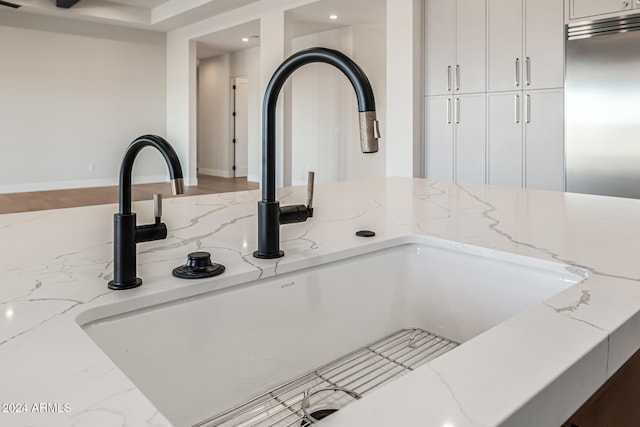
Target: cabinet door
x: 470, y: 65
x: 505, y: 138
x: 584, y: 8
x: 544, y: 44
x: 439, y: 137
x: 440, y: 45
x: 544, y: 139
x: 470, y: 138
x: 504, y: 27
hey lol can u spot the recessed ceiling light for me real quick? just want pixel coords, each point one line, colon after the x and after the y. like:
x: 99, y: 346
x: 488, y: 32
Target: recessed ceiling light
x: 333, y: 17
x: 245, y: 39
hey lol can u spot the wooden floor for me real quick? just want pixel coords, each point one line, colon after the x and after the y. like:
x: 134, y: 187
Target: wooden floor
x: 42, y: 200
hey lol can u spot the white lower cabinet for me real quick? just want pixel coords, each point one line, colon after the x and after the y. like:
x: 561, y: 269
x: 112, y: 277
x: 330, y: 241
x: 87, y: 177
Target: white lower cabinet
x: 456, y: 138
x: 505, y: 138
x: 544, y: 139
x: 526, y: 139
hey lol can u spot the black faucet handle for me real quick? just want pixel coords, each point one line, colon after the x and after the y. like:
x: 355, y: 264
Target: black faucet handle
x: 310, y: 186
x: 156, y: 231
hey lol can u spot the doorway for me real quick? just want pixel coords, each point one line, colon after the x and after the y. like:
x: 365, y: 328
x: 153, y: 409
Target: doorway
x: 240, y: 126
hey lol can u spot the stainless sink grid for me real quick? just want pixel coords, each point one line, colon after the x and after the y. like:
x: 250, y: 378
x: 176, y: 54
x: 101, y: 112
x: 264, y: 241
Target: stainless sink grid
x: 336, y: 383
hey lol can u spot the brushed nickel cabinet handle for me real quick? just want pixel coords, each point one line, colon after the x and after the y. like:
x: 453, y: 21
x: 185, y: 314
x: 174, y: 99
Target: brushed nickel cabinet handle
x: 517, y: 72
x: 457, y: 77
x: 449, y: 78
x: 528, y: 71
x: 516, y: 107
x: 457, y: 110
x: 527, y: 109
x: 448, y: 111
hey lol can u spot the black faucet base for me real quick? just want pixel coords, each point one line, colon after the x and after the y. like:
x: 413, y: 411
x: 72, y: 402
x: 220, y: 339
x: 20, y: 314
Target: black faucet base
x: 279, y: 254
x: 122, y: 286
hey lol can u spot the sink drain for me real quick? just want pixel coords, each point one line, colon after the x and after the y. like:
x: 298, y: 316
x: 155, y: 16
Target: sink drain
x: 323, y: 402
x: 318, y: 415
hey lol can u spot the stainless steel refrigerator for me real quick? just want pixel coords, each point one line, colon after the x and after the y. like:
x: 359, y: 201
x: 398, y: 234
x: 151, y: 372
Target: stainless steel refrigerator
x: 603, y: 107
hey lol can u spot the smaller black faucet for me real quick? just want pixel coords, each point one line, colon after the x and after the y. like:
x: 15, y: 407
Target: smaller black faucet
x: 125, y: 231
x: 270, y: 214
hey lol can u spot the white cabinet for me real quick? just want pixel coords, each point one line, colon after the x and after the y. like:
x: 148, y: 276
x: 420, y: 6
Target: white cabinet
x: 455, y: 138
x: 525, y: 44
x: 504, y: 26
x: 470, y: 138
x: 585, y: 8
x: 526, y: 139
x: 544, y: 139
x: 439, y: 137
x: 543, y: 44
x: 494, y: 110
x: 505, y: 138
x: 455, y: 46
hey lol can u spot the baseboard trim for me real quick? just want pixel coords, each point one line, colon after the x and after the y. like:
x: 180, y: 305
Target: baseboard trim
x: 215, y: 172
x: 66, y: 185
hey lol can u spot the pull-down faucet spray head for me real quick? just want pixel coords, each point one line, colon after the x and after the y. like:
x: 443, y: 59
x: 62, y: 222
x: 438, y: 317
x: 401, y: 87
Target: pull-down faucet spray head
x: 369, y: 132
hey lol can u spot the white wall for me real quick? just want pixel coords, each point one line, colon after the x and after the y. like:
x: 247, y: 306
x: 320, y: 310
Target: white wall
x: 370, y: 52
x: 73, y: 95
x: 404, y: 86
x: 325, y: 110
x: 324, y: 113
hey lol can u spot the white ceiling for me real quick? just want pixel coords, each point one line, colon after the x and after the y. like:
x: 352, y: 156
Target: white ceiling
x: 158, y: 15
x: 307, y: 19
x: 147, y: 4
x: 166, y: 15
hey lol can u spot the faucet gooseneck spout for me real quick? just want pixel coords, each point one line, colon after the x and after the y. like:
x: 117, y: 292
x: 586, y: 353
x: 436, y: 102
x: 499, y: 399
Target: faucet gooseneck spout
x: 126, y: 234
x: 270, y: 216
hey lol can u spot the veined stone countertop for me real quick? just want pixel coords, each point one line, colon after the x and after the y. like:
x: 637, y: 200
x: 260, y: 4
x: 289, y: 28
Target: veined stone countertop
x: 533, y: 370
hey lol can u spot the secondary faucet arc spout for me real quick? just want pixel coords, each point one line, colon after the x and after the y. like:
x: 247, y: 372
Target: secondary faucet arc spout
x: 126, y: 233
x: 269, y: 213
x: 126, y: 169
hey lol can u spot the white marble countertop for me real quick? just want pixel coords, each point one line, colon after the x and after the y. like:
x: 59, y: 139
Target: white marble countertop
x: 533, y: 370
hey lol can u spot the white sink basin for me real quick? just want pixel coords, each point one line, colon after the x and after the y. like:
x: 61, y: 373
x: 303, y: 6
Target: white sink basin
x: 197, y: 357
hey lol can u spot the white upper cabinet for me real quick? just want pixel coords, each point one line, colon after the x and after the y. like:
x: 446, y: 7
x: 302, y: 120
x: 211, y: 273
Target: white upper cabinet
x: 526, y: 44
x: 471, y: 46
x: 543, y: 44
x: 586, y: 8
x: 505, y: 32
x: 455, y: 46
